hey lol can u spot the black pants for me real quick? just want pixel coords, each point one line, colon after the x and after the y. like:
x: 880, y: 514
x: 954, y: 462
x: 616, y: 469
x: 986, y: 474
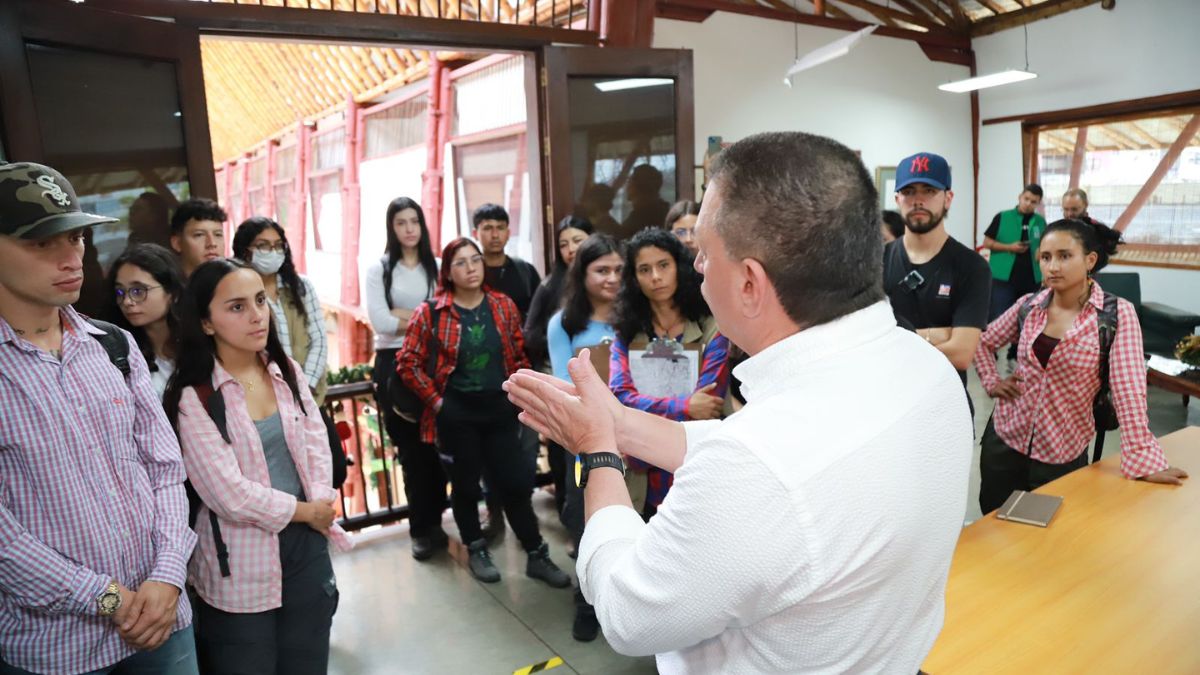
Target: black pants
x: 480, y: 435
x: 560, y: 460
x: 424, y: 478
x: 1003, y: 469
x: 572, y: 509
x: 290, y: 640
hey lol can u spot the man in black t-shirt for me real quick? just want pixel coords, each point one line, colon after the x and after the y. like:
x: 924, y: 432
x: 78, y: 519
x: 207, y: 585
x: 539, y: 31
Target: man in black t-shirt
x: 511, y: 276
x: 937, y: 286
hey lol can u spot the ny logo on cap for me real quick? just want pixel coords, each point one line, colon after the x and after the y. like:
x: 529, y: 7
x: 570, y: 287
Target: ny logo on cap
x: 53, y: 190
x: 920, y: 164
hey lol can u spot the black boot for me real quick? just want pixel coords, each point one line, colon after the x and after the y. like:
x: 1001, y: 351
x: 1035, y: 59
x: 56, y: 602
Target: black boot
x: 586, y: 626
x: 424, y: 548
x: 480, y: 562
x: 540, y: 566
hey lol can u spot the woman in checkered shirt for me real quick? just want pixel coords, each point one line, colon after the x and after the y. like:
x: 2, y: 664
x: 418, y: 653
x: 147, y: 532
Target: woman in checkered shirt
x: 1043, y: 420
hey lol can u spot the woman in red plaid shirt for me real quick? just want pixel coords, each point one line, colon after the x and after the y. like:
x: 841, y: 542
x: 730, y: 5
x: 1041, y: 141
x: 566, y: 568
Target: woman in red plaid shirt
x: 459, y: 349
x: 1043, y: 421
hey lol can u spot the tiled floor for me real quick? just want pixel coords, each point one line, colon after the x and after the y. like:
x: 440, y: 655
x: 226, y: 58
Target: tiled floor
x: 401, y: 616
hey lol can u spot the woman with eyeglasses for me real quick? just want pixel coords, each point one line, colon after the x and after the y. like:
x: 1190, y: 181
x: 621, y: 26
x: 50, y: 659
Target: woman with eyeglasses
x: 144, y: 283
x: 681, y: 222
x: 472, y: 335
x: 299, y: 319
x: 660, y: 300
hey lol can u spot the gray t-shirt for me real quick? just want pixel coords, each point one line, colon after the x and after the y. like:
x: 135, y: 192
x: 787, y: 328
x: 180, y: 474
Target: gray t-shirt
x: 280, y: 465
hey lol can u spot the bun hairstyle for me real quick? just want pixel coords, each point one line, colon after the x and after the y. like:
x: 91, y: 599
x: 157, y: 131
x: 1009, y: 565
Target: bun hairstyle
x: 1095, y: 238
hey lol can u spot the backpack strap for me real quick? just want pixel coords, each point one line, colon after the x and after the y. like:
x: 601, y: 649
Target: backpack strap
x: 1106, y: 323
x: 214, y: 404
x: 114, y: 342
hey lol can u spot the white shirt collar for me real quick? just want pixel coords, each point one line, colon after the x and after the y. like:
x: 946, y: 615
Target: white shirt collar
x: 760, y: 374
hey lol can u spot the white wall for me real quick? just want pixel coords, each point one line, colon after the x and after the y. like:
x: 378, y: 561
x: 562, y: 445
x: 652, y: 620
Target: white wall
x: 881, y: 99
x: 1086, y: 57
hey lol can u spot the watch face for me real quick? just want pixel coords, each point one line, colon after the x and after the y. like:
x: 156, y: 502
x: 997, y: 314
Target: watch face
x: 578, y: 471
x: 109, y: 603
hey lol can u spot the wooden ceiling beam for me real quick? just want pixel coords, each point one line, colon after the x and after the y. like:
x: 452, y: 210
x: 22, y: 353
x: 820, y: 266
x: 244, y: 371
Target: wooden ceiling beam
x: 991, y: 6
x: 935, y: 8
x: 923, y: 12
x: 871, y: 8
x: 890, y: 15
x: 1144, y: 135
x: 1043, y: 10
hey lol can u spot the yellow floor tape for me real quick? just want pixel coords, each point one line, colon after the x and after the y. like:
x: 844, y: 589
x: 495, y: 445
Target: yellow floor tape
x: 539, y: 667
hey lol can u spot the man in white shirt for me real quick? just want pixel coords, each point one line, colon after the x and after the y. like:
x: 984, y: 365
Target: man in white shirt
x: 812, y: 531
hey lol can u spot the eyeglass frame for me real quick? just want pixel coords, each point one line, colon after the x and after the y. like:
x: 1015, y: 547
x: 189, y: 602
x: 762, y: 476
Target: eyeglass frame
x: 130, y: 294
x: 476, y: 259
x: 264, y: 247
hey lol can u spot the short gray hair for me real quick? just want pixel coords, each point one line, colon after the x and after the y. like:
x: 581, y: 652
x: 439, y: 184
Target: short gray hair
x: 1076, y: 192
x: 805, y: 207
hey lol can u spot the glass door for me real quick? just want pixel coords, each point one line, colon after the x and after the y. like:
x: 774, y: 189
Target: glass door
x: 618, y: 135
x: 115, y: 103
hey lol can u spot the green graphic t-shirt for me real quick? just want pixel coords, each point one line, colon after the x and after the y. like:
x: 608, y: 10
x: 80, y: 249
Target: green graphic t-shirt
x: 480, y: 365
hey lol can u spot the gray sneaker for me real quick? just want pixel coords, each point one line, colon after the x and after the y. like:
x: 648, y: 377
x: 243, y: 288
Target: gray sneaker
x: 540, y: 566
x: 480, y: 562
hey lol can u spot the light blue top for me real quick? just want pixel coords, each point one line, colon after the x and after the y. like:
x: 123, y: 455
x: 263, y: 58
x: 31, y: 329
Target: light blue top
x: 563, y: 347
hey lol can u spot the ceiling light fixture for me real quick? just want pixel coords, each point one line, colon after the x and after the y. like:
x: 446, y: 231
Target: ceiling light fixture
x: 993, y: 79
x: 836, y: 49
x: 633, y: 83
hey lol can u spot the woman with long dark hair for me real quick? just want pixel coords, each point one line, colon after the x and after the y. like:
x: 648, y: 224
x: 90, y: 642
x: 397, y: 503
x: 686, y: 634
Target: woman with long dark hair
x: 266, y: 592
x: 660, y: 300
x: 399, y: 282
x: 144, y: 283
x: 1043, y: 419
x: 299, y: 319
x: 586, y: 319
x: 569, y: 235
x: 473, y: 337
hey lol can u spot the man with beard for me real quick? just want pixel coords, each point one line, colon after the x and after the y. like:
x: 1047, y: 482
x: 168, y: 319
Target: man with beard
x: 936, y: 285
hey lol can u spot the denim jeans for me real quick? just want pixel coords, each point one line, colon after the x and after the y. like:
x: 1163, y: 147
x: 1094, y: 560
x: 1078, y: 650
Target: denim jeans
x: 176, y: 656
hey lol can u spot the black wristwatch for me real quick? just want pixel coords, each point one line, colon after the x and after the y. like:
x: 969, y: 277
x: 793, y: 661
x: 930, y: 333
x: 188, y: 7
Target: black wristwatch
x: 585, y: 462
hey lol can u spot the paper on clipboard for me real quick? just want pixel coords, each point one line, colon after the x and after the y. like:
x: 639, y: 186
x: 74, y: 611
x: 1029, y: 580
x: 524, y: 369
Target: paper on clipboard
x: 664, y: 368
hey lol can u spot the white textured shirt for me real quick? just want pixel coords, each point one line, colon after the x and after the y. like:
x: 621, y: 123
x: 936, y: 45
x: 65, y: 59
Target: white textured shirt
x: 812, y: 531
x: 410, y: 287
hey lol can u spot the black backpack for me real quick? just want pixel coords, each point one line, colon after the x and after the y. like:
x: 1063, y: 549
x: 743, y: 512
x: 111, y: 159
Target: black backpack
x: 404, y: 401
x: 1103, y: 411
x: 400, y: 396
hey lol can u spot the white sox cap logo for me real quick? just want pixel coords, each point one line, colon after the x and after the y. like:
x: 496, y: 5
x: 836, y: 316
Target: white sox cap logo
x: 53, y: 190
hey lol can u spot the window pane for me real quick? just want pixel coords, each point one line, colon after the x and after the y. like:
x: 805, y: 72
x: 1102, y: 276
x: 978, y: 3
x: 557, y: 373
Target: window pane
x: 396, y: 128
x: 1119, y: 158
x: 119, y: 140
x: 623, y: 160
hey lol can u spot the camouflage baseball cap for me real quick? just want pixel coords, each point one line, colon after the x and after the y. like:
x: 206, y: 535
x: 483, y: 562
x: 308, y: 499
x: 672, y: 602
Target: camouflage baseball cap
x: 37, y: 202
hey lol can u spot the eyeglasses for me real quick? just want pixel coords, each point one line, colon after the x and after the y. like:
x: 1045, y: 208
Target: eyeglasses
x: 682, y: 233
x: 264, y: 247
x: 462, y: 263
x: 135, y: 295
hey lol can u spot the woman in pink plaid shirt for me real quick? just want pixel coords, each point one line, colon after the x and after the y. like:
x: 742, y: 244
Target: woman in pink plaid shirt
x: 1043, y: 420
x: 268, y: 594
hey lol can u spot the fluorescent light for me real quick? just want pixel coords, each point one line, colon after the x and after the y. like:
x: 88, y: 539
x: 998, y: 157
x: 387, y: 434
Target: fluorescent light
x: 836, y: 49
x: 633, y: 83
x: 984, y: 81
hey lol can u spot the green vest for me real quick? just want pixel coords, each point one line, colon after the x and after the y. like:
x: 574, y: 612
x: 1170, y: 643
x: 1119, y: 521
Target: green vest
x: 1010, y: 233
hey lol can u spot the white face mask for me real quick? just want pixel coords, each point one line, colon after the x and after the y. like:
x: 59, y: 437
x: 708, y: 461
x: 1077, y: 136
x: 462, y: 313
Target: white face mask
x: 267, y: 263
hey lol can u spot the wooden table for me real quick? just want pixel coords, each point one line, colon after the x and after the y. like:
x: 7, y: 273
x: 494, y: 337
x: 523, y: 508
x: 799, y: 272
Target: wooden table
x: 1112, y: 586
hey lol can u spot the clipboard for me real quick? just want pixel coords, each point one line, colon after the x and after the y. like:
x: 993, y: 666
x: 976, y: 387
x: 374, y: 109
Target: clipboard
x: 600, y: 356
x: 664, y: 368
